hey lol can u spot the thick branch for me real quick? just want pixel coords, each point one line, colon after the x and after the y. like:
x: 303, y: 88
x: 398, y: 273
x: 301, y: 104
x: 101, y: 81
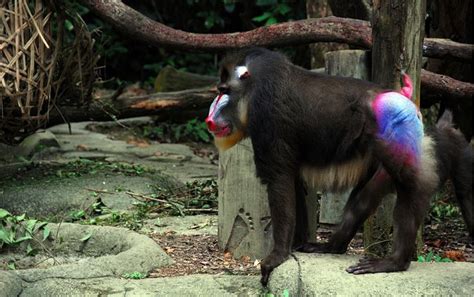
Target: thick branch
x: 446, y: 48
x: 445, y: 86
x: 105, y: 109
x: 329, y: 29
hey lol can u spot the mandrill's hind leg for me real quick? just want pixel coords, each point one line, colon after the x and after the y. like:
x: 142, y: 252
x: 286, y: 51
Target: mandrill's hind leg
x: 408, y: 214
x: 410, y: 208
x: 363, y: 201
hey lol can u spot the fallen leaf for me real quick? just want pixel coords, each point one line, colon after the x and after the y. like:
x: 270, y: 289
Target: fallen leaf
x: 227, y: 255
x: 437, y: 243
x: 138, y: 142
x: 457, y: 256
x: 245, y: 259
x: 169, y: 250
x: 82, y: 147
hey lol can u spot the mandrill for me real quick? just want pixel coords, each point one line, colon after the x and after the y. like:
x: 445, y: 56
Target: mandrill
x: 334, y: 133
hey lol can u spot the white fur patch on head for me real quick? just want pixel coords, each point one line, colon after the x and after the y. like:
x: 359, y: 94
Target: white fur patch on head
x: 241, y: 71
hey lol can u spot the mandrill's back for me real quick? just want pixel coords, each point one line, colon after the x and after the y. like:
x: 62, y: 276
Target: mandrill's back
x: 334, y: 111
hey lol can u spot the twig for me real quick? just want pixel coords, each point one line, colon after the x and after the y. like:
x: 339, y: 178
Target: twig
x: 174, y: 205
x: 142, y: 196
x: 100, y: 191
x: 209, y: 210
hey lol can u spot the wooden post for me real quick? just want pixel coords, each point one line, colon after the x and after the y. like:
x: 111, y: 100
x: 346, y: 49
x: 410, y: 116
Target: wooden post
x: 346, y: 63
x: 319, y: 9
x: 244, y: 215
x: 397, y: 33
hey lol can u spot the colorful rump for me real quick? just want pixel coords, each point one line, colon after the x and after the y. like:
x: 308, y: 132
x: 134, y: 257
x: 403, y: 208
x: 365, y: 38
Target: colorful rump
x: 399, y: 125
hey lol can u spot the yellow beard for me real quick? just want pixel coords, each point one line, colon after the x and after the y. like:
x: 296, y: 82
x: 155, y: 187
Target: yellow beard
x: 225, y: 143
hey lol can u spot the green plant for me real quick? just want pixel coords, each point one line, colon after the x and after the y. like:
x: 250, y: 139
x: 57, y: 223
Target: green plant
x: 76, y: 215
x: 432, y: 257
x: 15, y: 230
x: 444, y: 210
x: 134, y: 275
x: 285, y: 293
x: 193, y: 130
x: 275, y: 13
x: 202, y: 194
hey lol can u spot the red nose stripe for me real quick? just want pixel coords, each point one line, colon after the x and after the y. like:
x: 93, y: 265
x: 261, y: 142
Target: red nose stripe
x: 210, y: 124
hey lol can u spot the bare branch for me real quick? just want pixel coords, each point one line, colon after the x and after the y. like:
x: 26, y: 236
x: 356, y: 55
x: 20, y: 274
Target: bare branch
x: 329, y: 29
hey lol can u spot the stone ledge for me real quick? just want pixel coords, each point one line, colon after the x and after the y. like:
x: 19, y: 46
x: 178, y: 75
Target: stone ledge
x: 325, y: 275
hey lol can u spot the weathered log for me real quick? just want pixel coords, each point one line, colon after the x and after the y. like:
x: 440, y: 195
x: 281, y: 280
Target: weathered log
x: 328, y: 29
x: 107, y: 108
x: 170, y: 79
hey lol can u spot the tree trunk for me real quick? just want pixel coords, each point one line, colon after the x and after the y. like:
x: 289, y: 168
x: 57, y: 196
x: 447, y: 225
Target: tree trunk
x: 397, y: 36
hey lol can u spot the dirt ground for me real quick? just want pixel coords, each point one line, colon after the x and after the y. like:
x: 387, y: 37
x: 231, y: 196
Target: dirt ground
x: 201, y: 254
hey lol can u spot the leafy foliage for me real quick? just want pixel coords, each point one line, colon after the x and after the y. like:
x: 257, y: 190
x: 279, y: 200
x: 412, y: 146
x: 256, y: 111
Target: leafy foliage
x: 15, y: 230
x: 432, y: 257
x: 134, y: 275
x: 275, y: 12
x: 444, y: 210
x: 442, y: 206
x: 193, y: 130
x: 167, y: 200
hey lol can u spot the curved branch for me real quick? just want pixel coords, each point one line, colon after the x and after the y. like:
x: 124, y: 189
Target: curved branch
x: 329, y: 29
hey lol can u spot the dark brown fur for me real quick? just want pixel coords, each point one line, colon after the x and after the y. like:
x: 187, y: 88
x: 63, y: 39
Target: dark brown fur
x: 298, y: 118
x: 454, y: 161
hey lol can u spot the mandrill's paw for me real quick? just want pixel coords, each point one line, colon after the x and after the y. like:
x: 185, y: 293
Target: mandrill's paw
x: 323, y: 248
x: 269, y: 263
x: 372, y: 265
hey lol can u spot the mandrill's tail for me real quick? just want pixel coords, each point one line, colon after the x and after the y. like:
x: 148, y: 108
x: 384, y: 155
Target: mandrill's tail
x: 445, y: 121
x: 407, y: 89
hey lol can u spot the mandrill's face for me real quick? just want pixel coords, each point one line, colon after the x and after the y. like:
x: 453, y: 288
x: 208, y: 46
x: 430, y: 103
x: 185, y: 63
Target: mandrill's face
x: 227, y: 118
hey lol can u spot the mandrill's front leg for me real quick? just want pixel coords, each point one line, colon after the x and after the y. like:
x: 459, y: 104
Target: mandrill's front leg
x: 281, y: 198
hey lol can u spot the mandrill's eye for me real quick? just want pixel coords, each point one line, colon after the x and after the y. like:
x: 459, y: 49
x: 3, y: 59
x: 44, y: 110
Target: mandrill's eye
x: 242, y: 72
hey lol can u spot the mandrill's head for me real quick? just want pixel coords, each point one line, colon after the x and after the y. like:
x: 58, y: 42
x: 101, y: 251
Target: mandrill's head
x: 248, y: 78
x: 227, y: 119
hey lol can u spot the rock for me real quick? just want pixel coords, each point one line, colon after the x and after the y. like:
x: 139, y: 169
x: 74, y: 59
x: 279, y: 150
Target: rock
x: 325, y: 275
x: 37, y: 142
x: 10, y: 284
x: 108, y: 251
